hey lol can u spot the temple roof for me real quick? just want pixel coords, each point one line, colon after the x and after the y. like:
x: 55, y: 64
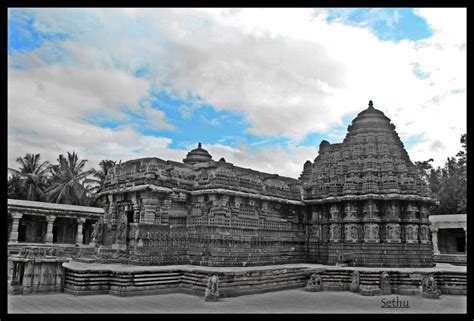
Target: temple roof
x: 197, y: 155
x: 371, y: 160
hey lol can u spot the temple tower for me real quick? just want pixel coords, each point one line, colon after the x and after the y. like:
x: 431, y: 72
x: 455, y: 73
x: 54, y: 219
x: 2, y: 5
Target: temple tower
x: 368, y: 198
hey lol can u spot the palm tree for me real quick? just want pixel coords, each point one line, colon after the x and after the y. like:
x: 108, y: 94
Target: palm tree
x: 69, y: 181
x: 33, y: 175
x: 99, y: 175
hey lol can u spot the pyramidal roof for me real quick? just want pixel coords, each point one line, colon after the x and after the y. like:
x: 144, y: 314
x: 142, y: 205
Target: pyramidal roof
x: 371, y: 160
x: 197, y: 155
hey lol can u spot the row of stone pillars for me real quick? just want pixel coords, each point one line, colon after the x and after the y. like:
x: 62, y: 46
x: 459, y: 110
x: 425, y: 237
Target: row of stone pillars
x: 49, y: 229
x: 434, y: 238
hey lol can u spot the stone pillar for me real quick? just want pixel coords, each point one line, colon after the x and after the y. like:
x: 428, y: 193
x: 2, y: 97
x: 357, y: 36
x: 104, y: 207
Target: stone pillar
x: 15, y: 223
x: 49, y: 230
x: 165, y: 210
x: 79, y: 235
x: 136, y: 213
x: 434, y: 238
x: 150, y: 206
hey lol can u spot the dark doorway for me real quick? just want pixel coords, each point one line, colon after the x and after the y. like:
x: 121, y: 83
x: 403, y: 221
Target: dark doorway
x: 130, y: 216
x: 460, y: 244
x: 22, y: 232
x: 55, y: 234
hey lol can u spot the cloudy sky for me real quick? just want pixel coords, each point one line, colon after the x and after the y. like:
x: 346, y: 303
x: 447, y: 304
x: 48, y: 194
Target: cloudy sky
x: 259, y: 87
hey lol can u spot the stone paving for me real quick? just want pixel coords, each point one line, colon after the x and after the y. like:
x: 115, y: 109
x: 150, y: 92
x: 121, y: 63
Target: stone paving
x: 289, y: 301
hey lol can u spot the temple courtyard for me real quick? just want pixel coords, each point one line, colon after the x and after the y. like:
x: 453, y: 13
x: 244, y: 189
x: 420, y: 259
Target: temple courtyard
x: 288, y: 301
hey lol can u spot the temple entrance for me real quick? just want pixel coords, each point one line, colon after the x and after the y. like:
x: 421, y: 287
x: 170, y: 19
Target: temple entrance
x: 451, y: 241
x: 22, y: 232
x: 129, y: 216
x: 31, y: 229
x: 461, y: 244
x: 87, y: 232
x: 66, y: 229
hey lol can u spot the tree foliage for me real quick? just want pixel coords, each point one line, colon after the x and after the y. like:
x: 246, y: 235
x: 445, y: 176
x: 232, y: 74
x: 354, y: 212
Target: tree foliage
x: 98, y: 179
x: 31, y: 179
x: 67, y: 182
x: 448, y: 184
x: 68, y: 178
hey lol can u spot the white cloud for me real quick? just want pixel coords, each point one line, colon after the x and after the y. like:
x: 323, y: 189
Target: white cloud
x: 270, y: 159
x: 156, y: 118
x: 287, y: 79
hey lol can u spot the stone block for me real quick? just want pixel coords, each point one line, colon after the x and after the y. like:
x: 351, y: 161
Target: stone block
x: 369, y: 290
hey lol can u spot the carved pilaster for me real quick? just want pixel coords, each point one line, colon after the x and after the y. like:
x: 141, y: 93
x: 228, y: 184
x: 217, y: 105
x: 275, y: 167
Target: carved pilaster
x: 15, y: 223
x: 434, y: 237
x: 136, y: 213
x: 79, y: 234
x: 165, y: 209
x: 150, y: 205
x: 424, y: 231
x: 49, y: 229
x: 335, y: 232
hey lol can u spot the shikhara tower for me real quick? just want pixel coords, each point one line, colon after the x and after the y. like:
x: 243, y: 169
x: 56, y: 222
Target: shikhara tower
x: 362, y: 197
x: 367, y: 198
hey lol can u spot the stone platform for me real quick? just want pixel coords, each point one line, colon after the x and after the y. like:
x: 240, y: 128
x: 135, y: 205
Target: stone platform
x: 129, y: 280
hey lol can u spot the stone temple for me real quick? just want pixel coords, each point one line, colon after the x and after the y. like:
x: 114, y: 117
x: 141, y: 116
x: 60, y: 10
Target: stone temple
x: 360, y: 200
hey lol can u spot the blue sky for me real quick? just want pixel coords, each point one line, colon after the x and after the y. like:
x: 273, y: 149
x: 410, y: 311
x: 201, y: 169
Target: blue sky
x: 236, y: 83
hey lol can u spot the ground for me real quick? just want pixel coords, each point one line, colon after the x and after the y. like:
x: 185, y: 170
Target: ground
x: 289, y: 301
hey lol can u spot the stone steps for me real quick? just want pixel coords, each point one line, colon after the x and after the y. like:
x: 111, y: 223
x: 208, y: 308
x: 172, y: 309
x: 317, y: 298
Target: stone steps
x: 235, y: 283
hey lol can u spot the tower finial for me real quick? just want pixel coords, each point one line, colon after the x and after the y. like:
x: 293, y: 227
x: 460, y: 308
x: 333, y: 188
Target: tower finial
x: 199, y: 145
x: 371, y: 104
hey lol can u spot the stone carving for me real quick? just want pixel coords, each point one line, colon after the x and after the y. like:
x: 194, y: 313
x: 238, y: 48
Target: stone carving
x: 371, y: 232
x: 385, y: 287
x: 335, y: 232
x: 355, y: 281
x: 98, y: 232
x: 35, y: 269
x: 315, y: 283
x: 361, y: 182
x: 350, y: 211
x: 370, y: 209
x: 334, y: 211
x: 351, y: 232
x: 314, y: 232
x: 424, y: 233
x: 429, y: 288
x: 411, y: 211
x: 411, y: 233
x: 325, y: 232
x: 392, y: 232
x: 212, y: 289
x: 122, y: 231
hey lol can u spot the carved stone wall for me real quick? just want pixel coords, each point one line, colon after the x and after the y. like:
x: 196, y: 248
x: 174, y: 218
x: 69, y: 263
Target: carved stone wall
x: 362, y: 197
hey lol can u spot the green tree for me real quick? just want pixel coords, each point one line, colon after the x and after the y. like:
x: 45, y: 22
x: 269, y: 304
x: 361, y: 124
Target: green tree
x: 69, y: 185
x: 449, y: 183
x: 32, y: 177
x: 99, y: 176
x: 425, y: 169
x: 15, y: 188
